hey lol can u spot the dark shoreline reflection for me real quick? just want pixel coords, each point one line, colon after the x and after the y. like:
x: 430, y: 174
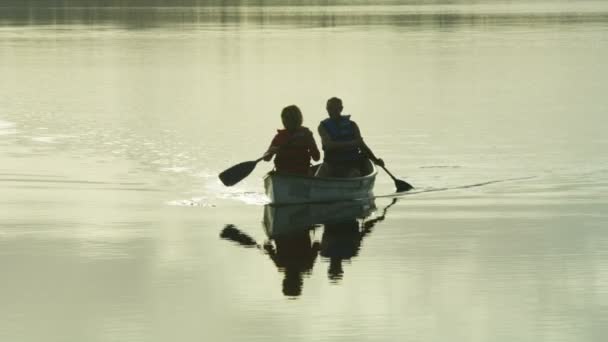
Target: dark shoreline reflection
x: 244, y: 14
x: 291, y: 230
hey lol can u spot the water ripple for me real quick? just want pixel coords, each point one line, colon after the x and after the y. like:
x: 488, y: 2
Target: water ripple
x: 7, y: 127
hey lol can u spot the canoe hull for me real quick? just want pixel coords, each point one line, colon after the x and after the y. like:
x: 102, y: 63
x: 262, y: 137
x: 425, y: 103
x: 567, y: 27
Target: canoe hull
x: 286, y: 220
x: 294, y: 189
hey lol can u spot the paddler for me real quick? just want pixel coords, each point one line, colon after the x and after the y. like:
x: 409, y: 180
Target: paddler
x: 344, y: 149
x: 294, y: 146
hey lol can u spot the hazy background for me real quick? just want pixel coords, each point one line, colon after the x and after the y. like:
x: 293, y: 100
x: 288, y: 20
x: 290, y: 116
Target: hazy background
x: 116, y: 119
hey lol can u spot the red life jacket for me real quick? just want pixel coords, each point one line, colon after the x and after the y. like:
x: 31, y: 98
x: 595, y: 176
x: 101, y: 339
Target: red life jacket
x: 292, y: 157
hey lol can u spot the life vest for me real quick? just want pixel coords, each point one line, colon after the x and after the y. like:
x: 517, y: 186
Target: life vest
x: 340, y: 130
x: 291, y: 158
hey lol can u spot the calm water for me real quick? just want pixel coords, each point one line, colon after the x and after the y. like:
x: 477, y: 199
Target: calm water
x: 115, y: 121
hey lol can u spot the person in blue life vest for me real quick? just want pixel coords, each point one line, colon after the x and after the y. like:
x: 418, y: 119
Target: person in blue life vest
x: 344, y: 149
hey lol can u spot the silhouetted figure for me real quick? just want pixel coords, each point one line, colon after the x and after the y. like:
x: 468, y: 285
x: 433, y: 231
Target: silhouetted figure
x: 343, y: 147
x: 295, y: 255
x: 342, y: 241
x: 293, y: 146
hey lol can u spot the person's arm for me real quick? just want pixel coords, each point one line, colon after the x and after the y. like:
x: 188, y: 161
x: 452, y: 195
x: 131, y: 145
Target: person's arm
x: 313, y: 149
x: 272, y: 253
x: 329, y: 144
x: 365, y: 149
x: 272, y: 150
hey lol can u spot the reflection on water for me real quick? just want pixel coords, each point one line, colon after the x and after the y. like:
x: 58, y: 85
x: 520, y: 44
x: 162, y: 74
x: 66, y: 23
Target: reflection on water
x: 341, y: 241
x: 295, y: 256
x: 291, y: 244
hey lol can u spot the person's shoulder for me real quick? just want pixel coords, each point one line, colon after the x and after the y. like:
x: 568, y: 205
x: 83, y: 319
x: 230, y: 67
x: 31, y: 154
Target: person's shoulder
x: 306, y: 130
x: 324, y: 121
x: 348, y: 119
x: 322, y: 129
x: 325, y: 124
x: 281, y: 133
x: 302, y: 131
x: 355, y: 127
x: 279, y: 137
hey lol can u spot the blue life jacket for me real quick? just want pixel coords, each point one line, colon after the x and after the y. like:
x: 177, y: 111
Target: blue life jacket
x: 340, y: 130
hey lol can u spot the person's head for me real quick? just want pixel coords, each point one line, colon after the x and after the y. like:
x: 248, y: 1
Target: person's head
x: 291, y: 117
x: 335, y: 271
x: 334, y: 107
x: 292, y: 283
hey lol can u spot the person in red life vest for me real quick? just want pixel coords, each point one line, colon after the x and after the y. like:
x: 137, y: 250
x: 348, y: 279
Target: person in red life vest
x: 293, y: 146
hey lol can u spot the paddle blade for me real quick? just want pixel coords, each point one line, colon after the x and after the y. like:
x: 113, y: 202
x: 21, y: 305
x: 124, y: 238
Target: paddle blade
x: 402, y: 186
x: 237, y: 173
x: 232, y: 233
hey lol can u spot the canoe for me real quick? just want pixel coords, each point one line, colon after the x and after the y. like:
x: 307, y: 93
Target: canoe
x: 284, y: 188
x: 286, y: 220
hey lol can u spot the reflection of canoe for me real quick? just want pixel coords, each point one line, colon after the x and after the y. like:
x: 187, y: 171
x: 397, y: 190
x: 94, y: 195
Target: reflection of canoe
x: 288, y: 219
x: 288, y: 189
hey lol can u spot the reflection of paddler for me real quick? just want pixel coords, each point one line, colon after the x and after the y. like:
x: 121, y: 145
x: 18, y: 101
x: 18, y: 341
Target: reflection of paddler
x: 292, y: 254
x: 295, y: 255
x: 293, y: 251
x: 342, y: 241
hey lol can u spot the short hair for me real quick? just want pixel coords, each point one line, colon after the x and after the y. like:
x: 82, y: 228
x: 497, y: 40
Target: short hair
x: 334, y: 101
x: 291, y: 117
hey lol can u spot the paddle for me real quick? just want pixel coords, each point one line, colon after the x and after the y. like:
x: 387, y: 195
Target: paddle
x: 232, y: 233
x: 239, y: 171
x: 399, y: 184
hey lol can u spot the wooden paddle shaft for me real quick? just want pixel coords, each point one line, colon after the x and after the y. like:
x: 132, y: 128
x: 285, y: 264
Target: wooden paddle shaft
x: 389, y: 173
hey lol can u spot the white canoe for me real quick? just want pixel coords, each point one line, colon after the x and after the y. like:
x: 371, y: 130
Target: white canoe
x: 285, y: 220
x: 291, y: 189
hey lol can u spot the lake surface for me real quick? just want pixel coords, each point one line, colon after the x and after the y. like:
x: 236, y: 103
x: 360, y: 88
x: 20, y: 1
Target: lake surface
x: 115, y: 121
